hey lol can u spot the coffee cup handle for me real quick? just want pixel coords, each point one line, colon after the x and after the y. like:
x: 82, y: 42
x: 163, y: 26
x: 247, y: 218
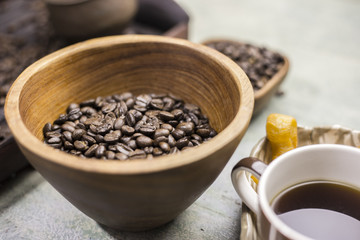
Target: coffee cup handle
x: 241, y: 184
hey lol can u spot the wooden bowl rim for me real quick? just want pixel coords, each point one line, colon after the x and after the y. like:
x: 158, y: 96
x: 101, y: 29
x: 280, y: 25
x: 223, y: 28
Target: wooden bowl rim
x: 273, y: 82
x: 30, y: 143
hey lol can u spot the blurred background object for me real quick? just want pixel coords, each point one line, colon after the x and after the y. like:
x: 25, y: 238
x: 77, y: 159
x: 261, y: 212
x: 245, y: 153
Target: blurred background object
x: 82, y: 19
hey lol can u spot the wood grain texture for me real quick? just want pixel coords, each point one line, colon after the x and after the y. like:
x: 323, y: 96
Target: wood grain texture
x: 139, y: 194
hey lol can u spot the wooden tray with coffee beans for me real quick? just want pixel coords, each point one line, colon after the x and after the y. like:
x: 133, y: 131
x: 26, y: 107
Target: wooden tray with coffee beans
x: 265, y: 68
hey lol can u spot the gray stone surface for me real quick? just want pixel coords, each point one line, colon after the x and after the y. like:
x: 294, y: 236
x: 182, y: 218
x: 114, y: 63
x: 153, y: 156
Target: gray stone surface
x: 321, y: 38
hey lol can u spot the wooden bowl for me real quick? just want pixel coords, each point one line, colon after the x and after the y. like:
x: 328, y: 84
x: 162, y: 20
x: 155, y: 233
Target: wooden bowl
x: 264, y: 94
x: 138, y: 194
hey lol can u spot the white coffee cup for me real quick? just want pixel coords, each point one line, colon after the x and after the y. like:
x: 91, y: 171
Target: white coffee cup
x: 329, y: 162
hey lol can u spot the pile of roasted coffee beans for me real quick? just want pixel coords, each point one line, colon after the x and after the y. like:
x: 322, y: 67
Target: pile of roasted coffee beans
x: 259, y: 63
x: 124, y: 126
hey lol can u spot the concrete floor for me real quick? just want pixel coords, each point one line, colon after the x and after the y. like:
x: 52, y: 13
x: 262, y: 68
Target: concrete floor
x: 321, y: 39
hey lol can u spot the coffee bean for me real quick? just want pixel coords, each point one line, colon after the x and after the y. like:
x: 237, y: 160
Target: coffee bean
x: 182, y: 142
x: 112, y: 137
x: 187, y: 127
x: 157, y: 151
x: 119, y: 122
x: 53, y: 140
x: 147, y: 130
x: 67, y: 127
x: 91, y: 150
x: 144, y: 141
x: 164, y: 147
x: 130, y: 119
x: 88, y: 139
x: 110, y: 154
x: 121, y: 156
x: 203, y: 132
x: 52, y: 134
x: 166, y: 116
x: 68, y: 145
x: 100, y: 151
x: 161, y: 132
x: 167, y: 126
x: 137, y: 154
x: 62, y: 118
x: 123, y: 127
x: 157, y: 104
x: 127, y: 130
x: 47, y: 128
x: 77, y: 133
x: 178, y: 133
x: 80, y: 145
x: 159, y: 140
x: 103, y: 129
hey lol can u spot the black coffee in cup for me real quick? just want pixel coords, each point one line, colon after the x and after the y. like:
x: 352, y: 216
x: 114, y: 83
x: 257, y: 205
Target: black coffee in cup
x: 320, y: 209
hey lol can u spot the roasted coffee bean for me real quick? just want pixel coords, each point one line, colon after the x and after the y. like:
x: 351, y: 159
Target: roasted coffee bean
x: 137, y: 154
x: 119, y: 122
x: 168, y: 103
x: 144, y: 141
x: 157, y: 104
x: 130, y: 119
x: 187, y: 127
x: 88, y: 139
x: 171, y: 141
x: 167, y: 126
x: 147, y: 130
x: 126, y: 127
x: 161, y: 132
x: 90, y: 102
x: 164, y: 146
x: 127, y: 130
x: 53, y: 140
x: 47, y: 128
x: 52, y: 134
x: 259, y: 64
x: 149, y: 150
x: 74, y: 114
x: 100, y: 151
x: 67, y: 127
x: 182, y: 142
x: 91, y: 150
x: 68, y: 145
x: 62, y: 118
x: 77, y: 133
x: 123, y: 148
x: 80, y: 145
x: 159, y: 140
x: 110, y: 154
x: 174, y: 150
x: 55, y: 127
x: 121, y: 156
x: 166, y: 116
x: 68, y: 136
x: 203, y: 132
x: 132, y: 144
x: 157, y: 151
x: 108, y: 107
x: 178, y: 133
x: 112, y: 137
x: 103, y: 129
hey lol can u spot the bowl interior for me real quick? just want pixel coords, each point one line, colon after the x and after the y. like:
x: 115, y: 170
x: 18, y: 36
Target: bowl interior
x: 106, y: 66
